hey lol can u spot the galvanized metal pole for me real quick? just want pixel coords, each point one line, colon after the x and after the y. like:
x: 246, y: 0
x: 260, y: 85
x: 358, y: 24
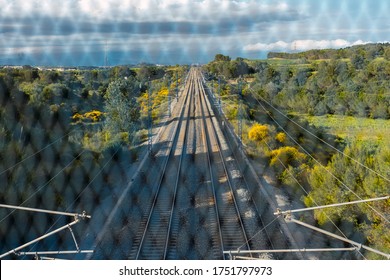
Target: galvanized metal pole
x: 83, y: 215
x: 358, y: 245
x: 279, y: 212
x: 213, y: 90
x: 74, y: 239
x: 243, y: 252
x: 55, y: 252
x: 177, y: 85
x: 240, y: 115
x: 169, y: 97
x: 150, y: 129
x: 219, y: 96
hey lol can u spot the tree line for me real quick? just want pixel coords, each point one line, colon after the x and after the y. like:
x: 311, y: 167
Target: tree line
x: 368, y: 51
x: 353, y: 82
x: 67, y: 139
x: 355, y: 87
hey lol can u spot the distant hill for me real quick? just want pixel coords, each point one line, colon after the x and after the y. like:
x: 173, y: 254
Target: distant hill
x: 370, y: 51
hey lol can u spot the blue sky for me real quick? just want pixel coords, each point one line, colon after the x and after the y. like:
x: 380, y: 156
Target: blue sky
x: 81, y: 32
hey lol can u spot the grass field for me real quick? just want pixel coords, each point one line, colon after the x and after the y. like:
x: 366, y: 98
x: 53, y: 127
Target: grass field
x: 375, y: 131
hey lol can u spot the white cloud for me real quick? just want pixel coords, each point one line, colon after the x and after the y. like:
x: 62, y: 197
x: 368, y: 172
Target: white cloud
x: 302, y: 45
x: 279, y: 45
x: 136, y: 10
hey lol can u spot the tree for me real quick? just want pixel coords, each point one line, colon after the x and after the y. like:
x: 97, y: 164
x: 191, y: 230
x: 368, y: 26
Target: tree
x: 34, y: 91
x: 328, y: 185
x: 359, y: 60
x: 342, y: 71
x: 49, y: 76
x: 301, y: 76
x: 118, y: 72
x: 221, y: 57
x: 387, y: 53
x: 30, y: 73
x: 121, y: 107
x: 147, y: 72
x: 326, y: 75
x: 238, y: 68
x: 271, y: 90
x: 260, y: 66
x: 55, y: 93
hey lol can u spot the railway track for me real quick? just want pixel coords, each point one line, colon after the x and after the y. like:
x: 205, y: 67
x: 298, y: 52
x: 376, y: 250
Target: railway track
x: 151, y: 240
x: 233, y: 232
x: 194, y: 209
x: 251, y: 219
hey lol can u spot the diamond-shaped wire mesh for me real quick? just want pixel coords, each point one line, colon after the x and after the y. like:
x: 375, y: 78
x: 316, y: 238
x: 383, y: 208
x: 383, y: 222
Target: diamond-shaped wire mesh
x: 55, y: 149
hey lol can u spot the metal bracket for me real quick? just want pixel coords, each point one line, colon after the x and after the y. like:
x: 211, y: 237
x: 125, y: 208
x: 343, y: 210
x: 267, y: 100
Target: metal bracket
x: 74, y: 239
x: 77, y: 217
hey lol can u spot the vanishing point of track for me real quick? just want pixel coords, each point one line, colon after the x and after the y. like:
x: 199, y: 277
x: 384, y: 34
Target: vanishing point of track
x: 193, y: 211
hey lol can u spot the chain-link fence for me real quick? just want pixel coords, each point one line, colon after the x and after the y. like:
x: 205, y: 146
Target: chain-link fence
x: 299, y: 130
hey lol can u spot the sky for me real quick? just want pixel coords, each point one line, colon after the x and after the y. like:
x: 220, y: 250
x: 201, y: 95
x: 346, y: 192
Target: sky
x: 117, y: 32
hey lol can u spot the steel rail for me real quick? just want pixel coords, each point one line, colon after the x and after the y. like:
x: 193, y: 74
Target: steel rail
x: 146, y: 157
x: 234, y: 153
x: 206, y: 141
x: 183, y: 149
x: 171, y: 150
x: 229, y: 179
